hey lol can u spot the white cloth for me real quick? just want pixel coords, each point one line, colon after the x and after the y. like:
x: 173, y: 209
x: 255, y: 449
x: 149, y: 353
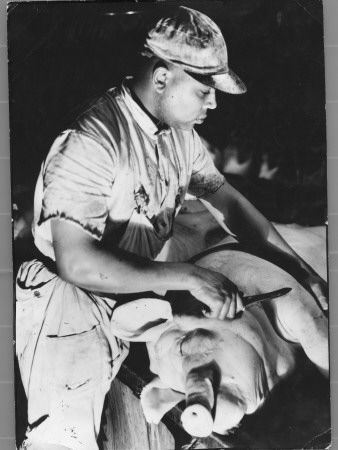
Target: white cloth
x: 67, y: 354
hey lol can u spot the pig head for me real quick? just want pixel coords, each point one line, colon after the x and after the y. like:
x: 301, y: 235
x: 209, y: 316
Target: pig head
x: 222, y: 369
x: 211, y: 403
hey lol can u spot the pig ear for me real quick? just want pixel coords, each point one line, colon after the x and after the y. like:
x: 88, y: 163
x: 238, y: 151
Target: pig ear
x: 157, y: 399
x: 142, y: 320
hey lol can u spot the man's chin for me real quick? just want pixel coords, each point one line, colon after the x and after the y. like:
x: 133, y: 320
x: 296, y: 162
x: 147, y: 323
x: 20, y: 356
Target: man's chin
x: 185, y: 126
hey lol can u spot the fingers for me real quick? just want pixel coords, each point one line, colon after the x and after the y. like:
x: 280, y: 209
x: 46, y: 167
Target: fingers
x: 318, y: 287
x: 320, y: 295
x: 228, y: 309
x: 239, y: 301
x: 210, y: 314
x: 219, y: 294
x: 232, y: 307
x: 219, y: 310
x: 236, y: 305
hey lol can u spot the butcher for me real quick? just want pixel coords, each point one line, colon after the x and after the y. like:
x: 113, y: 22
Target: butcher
x: 104, y: 206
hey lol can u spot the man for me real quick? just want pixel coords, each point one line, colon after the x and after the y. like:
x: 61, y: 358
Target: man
x: 105, y: 204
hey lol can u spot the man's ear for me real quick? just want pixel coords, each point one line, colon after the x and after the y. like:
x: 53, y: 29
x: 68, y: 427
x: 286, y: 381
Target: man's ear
x: 160, y: 76
x: 157, y: 399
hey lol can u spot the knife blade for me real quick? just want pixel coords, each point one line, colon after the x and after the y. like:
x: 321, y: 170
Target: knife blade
x: 259, y: 298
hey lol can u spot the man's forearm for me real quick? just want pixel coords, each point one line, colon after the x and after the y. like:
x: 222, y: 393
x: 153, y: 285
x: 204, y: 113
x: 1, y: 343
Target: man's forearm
x: 84, y: 262
x: 123, y: 272
x: 255, y: 231
x: 278, y: 251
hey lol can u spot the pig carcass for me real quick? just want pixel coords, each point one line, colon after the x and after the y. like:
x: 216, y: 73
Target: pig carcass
x: 225, y: 369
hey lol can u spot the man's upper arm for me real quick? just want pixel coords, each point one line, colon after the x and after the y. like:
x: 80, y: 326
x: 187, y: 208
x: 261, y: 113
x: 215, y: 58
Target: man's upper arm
x: 224, y: 198
x: 72, y: 247
x: 205, y: 178
x: 77, y: 183
x: 221, y: 205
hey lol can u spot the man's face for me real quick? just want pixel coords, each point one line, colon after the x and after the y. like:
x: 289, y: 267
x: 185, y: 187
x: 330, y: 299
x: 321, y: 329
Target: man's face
x: 185, y: 101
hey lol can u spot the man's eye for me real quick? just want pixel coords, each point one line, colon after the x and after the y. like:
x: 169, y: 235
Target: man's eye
x: 205, y: 92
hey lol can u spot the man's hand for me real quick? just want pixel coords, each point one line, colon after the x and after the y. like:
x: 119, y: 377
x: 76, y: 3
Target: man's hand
x: 218, y: 293
x: 318, y: 287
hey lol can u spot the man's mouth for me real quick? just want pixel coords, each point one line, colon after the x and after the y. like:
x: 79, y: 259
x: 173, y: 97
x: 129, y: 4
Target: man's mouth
x: 201, y: 119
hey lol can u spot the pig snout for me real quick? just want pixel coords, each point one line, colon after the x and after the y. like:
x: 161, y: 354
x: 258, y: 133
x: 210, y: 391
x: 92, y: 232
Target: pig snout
x: 206, y: 413
x: 211, y: 406
x: 197, y: 418
x: 198, y: 348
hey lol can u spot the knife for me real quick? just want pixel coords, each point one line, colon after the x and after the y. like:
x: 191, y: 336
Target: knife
x: 251, y: 300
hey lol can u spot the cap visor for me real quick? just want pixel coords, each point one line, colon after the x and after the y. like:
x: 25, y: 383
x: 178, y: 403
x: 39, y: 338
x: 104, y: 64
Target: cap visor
x: 226, y: 82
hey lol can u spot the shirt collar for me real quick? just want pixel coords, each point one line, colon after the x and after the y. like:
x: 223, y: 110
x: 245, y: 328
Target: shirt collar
x: 142, y: 116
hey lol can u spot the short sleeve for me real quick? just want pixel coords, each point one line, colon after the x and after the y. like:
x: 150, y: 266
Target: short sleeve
x: 77, y: 182
x: 205, y: 178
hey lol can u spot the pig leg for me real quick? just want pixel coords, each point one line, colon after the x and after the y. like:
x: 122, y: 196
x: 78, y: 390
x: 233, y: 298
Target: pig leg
x: 299, y: 319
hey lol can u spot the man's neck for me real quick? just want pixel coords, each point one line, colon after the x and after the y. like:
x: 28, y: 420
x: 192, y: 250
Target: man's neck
x: 142, y: 106
x: 140, y: 95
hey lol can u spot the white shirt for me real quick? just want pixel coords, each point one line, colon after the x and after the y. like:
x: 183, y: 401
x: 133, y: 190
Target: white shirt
x: 120, y: 178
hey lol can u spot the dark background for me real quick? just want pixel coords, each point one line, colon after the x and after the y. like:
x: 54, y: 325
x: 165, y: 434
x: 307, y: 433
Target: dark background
x: 62, y: 54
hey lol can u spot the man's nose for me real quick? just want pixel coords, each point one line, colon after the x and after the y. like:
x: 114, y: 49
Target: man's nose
x: 211, y: 101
